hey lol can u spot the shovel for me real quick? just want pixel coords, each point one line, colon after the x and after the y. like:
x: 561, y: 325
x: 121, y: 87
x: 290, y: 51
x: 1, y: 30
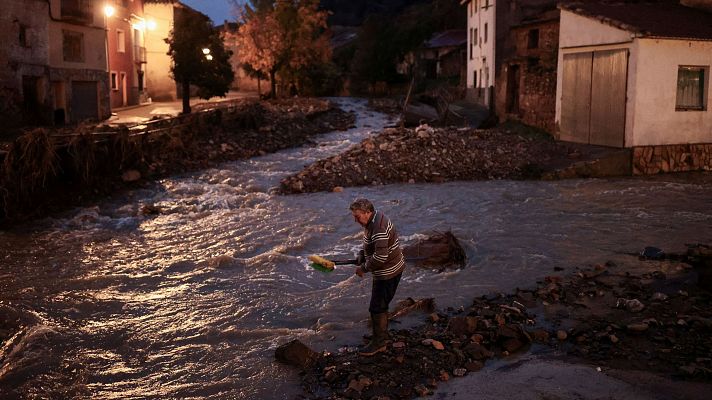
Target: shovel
x: 321, y: 264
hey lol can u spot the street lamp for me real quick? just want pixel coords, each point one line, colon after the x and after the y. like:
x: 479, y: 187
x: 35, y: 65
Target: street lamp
x: 206, y: 51
x: 209, y: 57
x: 109, y: 10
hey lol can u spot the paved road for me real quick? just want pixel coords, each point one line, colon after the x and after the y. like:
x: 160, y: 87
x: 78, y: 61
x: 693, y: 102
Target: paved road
x: 143, y: 113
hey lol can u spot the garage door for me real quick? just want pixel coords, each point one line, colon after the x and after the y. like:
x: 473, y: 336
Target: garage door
x: 85, y: 102
x: 594, y: 97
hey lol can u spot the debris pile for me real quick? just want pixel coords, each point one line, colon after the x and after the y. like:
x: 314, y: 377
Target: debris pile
x: 427, y: 154
x: 641, y: 315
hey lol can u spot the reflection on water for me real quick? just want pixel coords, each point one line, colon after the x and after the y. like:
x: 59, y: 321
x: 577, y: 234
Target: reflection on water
x: 192, y: 303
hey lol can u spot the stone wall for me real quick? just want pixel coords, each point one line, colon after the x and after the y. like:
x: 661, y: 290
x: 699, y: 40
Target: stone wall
x: 672, y: 158
x: 535, y: 90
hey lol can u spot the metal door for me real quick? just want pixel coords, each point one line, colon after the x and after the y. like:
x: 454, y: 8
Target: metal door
x: 608, y: 97
x: 576, y: 97
x: 85, y: 100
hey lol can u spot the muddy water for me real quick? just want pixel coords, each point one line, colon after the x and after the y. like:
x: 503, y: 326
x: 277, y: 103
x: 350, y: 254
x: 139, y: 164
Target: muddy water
x: 192, y: 303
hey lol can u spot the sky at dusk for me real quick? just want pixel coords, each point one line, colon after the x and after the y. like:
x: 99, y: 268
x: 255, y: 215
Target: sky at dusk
x: 217, y: 10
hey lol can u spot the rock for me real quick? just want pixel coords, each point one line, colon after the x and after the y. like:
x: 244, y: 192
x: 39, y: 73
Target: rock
x: 637, y: 327
x: 477, y: 351
x: 512, y: 345
x: 422, y: 391
x: 297, y: 354
x: 434, y: 317
x: 474, y: 366
x: 130, y: 176
x: 337, y: 189
x: 399, y: 345
x: 539, y: 335
x: 459, y: 326
x: 561, y: 335
x: 437, y: 345
x: 613, y: 338
x: 459, y: 372
x: 477, y: 338
x: 633, y: 305
x: 444, y: 376
x: 657, y: 296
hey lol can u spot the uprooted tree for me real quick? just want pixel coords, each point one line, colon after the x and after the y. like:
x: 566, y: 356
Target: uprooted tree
x: 199, y: 57
x: 282, y: 38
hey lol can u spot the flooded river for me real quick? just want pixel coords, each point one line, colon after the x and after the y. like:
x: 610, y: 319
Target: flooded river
x: 193, y: 302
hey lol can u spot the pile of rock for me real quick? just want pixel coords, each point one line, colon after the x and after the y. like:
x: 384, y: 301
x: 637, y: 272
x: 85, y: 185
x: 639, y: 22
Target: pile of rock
x: 647, y: 315
x: 426, y: 154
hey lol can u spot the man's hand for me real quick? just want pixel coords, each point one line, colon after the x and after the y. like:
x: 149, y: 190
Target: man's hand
x: 359, y: 272
x: 361, y: 259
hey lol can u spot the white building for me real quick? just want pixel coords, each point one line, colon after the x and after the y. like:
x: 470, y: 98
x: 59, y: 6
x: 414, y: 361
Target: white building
x: 637, y: 75
x: 481, y: 17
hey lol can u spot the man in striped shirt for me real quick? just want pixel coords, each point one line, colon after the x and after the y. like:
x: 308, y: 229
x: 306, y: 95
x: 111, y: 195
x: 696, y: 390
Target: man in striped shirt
x: 382, y: 257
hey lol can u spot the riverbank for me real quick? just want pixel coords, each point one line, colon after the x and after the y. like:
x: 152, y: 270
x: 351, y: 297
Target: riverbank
x: 644, y: 314
x: 427, y: 154
x: 46, y: 170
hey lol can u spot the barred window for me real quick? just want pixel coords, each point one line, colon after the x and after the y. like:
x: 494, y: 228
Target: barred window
x: 690, y: 88
x: 73, y: 46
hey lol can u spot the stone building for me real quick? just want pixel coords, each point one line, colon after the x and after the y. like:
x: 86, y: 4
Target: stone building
x: 53, y: 65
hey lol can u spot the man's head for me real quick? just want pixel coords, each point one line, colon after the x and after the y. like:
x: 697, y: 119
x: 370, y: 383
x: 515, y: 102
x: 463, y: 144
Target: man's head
x: 362, y: 210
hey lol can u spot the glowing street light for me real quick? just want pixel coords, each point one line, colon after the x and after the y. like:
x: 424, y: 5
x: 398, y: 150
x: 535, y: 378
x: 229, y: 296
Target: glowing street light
x: 151, y: 25
x: 209, y: 57
x: 206, y: 51
x: 109, y: 10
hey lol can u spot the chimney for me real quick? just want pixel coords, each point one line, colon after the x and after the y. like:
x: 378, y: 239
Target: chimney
x: 705, y: 5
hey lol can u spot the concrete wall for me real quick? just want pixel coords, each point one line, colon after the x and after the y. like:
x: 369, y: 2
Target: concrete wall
x: 582, y: 34
x: 160, y: 86
x: 481, y: 53
x: 655, y: 120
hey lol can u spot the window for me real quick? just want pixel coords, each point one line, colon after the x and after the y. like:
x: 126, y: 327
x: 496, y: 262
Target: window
x: 114, y: 81
x: 533, y: 39
x: 73, y: 46
x: 480, y: 84
x: 691, y: 88
x: 120, y: 41
x: 474, y: 78
x: 485, y: 32
x: 476, y: 38
x: 472, y: 40
x: 22, y: 37
x: 476, y: 6
x: 77, y: 10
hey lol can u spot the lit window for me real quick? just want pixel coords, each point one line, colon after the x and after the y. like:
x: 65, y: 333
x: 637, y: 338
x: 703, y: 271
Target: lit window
x: 120, y: 41
x: 690, y: 88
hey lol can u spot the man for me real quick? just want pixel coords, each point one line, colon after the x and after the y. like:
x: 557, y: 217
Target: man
x: 382, y: 257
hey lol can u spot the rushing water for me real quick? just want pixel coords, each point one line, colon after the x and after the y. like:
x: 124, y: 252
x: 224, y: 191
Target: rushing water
x: 193, y: 302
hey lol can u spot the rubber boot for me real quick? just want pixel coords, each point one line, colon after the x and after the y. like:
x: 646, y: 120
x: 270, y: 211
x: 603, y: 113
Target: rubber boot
x: 379, y: 339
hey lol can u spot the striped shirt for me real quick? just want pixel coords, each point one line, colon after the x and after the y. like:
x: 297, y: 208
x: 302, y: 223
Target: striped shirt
x: 384, y: 258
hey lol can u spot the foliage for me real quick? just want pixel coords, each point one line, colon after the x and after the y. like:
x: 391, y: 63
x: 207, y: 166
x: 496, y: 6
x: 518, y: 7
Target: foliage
x: 384, y: 40
x: 283, y: 38
x: 192, y: 33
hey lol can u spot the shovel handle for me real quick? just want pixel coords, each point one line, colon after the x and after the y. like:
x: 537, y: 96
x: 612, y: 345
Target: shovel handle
x: 344, y: 262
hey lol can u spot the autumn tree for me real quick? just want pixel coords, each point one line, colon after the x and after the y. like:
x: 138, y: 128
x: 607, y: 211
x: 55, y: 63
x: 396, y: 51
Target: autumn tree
x: 279, y: 38
x: 199, y: 57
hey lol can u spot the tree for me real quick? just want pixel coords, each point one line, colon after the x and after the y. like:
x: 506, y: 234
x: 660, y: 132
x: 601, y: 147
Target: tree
x: 283, y: 38
x: 199, y: 56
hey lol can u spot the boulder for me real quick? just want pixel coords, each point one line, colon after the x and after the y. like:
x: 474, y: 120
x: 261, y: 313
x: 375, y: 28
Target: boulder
x: 297, y: 354
x: 439, y: 251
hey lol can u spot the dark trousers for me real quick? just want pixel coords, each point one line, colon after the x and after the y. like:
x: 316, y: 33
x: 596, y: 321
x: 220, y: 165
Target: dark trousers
x: 382, y: 293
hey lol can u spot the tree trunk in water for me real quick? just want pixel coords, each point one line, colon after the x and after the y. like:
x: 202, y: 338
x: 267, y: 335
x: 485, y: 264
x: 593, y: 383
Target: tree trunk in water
x: 186, y: 97
x: 273, y: 84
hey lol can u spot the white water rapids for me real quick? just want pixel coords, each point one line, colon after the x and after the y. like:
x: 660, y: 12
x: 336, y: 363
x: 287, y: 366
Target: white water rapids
x: 193, y: 302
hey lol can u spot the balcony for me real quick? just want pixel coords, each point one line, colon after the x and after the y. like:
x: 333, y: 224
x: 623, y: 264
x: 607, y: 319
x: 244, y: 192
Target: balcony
x: 79, y: 11
x: 139, y: 55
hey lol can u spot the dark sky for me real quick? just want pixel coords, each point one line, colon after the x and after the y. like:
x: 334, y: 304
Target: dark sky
x: 217, y: 10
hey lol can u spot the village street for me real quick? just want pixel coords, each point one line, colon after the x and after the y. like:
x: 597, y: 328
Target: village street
x: 192, y: 302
